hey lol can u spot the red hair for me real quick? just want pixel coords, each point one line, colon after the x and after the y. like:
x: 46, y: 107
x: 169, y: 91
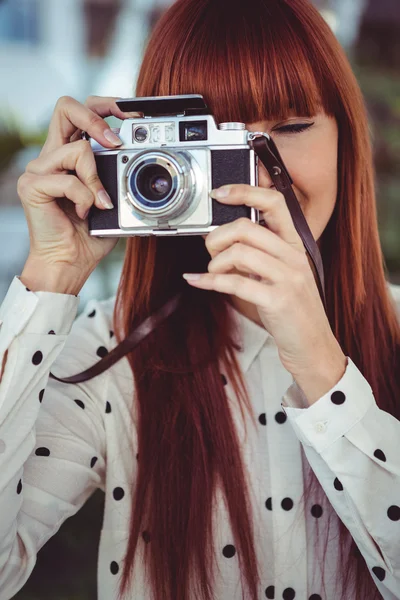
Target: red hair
x: 252, y: 61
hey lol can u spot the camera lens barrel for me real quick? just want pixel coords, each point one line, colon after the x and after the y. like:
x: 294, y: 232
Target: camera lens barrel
x: 159, y: 183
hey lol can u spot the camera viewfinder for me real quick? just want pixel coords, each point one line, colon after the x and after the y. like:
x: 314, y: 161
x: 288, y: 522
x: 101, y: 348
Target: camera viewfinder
x: 192, y: 131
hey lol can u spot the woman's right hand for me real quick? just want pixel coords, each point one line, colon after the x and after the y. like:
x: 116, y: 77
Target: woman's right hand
x: 56, y: 203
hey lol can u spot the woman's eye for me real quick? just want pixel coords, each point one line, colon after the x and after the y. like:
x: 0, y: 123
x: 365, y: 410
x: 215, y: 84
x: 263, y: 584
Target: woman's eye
x: 294, y: 128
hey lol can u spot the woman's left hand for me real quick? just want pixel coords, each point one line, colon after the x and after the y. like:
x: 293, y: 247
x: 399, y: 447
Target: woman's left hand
x: 285, y: 292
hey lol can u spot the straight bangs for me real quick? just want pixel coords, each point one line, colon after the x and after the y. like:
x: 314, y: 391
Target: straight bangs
x: 247, y: 69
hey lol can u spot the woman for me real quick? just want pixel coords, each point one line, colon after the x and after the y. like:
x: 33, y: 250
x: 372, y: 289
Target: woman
x: 257, y: 457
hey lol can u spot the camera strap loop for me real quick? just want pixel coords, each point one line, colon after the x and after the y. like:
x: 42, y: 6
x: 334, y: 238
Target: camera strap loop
x: 268, y: 153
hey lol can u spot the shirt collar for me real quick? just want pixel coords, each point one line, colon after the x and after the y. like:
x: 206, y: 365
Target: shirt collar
x: 250, y: 336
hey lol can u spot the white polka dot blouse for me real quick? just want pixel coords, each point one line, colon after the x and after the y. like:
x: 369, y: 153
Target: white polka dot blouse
x: 60, y: 442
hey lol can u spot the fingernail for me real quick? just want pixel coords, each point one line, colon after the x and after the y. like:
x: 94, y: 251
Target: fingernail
x: 105, y: 199
x: 221, y: 192
x: 112, y: 137
x: 191, y: 276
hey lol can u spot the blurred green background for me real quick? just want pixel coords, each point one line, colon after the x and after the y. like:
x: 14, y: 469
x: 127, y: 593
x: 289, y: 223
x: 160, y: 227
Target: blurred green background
x: 80, y: 47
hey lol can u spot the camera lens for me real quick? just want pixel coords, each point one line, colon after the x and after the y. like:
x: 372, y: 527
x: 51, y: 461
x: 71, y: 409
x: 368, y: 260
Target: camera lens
x: 141, y: 134
x: 160, y: 185
x: 154, y: 183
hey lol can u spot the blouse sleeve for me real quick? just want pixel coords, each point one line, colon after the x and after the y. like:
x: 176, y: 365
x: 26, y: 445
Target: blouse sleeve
x: 353, y: 448
x: 52, y: 443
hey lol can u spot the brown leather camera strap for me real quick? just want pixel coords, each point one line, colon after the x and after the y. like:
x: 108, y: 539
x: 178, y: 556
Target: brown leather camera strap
x: 130, y: 342
x: 269, y: 156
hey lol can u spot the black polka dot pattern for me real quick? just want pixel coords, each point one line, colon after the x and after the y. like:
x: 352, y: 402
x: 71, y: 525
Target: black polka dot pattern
x: 146, y: 536
x: 118, y: 493
x: 379, y: 573
x: 27, y: 289
x: 316, y: 511
x: 102, y: 351
x: 114, y: 568
x: 51, y: 332
x: 394, y: 513
x: 287, y: 504
x: 37, y: 358
x: 338, y: 397
x: 270, y: 592
x: 229, y: 551
x: 280, y: 417
x: 338, y: 486
x: 42, y: 451
x: 380, y: 455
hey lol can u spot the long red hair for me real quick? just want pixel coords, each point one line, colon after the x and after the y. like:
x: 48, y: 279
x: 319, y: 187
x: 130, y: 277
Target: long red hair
x: 251, y: 61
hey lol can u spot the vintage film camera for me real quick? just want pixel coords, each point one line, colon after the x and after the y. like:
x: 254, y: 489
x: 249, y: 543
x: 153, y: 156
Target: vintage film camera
x: 171, y: 158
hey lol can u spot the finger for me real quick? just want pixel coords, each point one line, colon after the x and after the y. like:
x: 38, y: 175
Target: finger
x: 271, y: 204
x: 76, y: 136
x: 37, y: 190
x: 100, y: 104
x: 250, y: 260
x: 92, y: 103
x: 245, y: 231
x: 242, y: 287
x: 77, y: 156
x: 70, y: 115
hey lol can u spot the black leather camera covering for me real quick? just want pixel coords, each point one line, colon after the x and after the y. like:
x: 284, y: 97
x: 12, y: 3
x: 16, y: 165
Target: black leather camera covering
x: 107, y: 171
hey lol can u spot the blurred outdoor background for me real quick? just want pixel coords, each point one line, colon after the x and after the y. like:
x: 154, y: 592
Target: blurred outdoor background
x: 51, y: 48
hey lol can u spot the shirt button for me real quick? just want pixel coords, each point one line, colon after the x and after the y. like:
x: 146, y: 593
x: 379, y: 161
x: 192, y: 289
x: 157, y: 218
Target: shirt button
x: 320, y: 427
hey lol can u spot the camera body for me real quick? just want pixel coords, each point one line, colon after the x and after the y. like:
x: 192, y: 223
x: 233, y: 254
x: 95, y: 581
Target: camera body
x: 160, y: 178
